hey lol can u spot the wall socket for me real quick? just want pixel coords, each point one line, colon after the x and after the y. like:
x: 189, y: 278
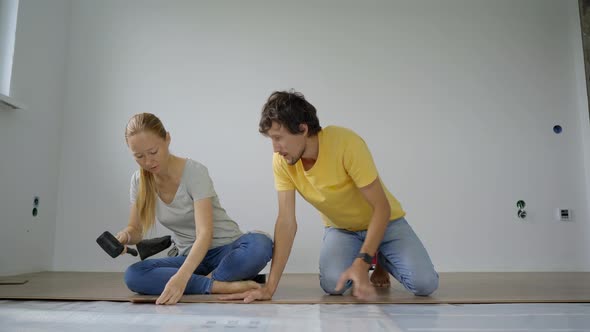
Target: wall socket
x: 563, y: 215
x: 35, y: 206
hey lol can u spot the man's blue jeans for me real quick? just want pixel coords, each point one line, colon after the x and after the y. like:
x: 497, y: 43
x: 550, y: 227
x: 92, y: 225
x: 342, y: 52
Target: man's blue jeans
x: 401, y: 253
x: 240, y: 260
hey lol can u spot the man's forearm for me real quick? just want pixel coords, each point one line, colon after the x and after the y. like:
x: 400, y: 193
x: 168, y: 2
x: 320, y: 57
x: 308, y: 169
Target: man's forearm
x: 284, y: 236
x: 376, y: 231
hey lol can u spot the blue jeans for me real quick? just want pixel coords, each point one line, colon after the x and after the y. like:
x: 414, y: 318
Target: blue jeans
x: 401, y: 253
x: 240, y: 260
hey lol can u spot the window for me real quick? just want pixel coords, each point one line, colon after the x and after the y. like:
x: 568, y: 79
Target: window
x: 8, y: 14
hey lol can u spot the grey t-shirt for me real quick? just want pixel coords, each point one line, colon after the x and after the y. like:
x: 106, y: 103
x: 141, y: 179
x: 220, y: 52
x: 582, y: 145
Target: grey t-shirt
x: 179, y: 215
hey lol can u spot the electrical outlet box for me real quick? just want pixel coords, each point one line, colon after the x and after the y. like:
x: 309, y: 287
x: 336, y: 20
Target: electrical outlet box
x: 563, y: 214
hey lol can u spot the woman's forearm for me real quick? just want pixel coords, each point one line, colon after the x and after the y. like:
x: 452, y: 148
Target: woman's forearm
x: 196, y: 254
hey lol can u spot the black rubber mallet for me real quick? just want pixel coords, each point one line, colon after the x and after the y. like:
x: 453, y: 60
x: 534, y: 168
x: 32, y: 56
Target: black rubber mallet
x: 112, y: 246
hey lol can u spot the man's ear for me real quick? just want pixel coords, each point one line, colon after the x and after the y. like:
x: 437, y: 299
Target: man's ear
x: 303, y: 128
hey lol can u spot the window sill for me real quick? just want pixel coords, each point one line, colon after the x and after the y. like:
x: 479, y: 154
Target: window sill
x: 9, y: 104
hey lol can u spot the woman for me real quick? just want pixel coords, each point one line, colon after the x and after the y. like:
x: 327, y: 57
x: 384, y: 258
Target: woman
x: 214, y: 256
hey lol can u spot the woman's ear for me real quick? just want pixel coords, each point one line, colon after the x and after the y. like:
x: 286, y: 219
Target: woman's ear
x: 168, y: 138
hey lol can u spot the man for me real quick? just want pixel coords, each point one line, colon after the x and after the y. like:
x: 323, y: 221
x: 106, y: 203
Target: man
x: 332, y: 169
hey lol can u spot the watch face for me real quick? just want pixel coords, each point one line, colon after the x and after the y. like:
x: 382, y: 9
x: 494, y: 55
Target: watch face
x: 366, y: 257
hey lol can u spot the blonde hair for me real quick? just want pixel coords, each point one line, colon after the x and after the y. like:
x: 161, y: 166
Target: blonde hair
x: 146, y: 197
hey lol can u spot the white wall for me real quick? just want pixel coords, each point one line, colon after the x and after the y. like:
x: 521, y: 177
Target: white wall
x: 456, y: 99
x: 30, y: 138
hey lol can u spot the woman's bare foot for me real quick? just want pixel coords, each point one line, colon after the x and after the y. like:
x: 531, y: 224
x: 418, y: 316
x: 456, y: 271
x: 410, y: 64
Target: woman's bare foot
x: 230, y: 287
x: 380, y: 277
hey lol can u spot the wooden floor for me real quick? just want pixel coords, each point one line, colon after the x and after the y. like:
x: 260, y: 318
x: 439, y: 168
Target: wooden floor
x: 455, y: 288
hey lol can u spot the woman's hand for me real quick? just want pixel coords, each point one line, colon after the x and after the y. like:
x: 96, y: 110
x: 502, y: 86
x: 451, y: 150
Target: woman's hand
x: 173, y: 290
x: 124, y: 237
x: 260, y: 294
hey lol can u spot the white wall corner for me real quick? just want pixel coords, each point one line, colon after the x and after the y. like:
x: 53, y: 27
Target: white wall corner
x: 9, y: 104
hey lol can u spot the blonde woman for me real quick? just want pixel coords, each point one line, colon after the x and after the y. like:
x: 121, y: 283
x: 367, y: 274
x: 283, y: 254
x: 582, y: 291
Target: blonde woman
x: 214, y: 256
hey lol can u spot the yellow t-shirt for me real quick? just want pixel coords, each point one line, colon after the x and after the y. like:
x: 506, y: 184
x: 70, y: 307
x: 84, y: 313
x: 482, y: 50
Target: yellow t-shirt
x: 332, y: 185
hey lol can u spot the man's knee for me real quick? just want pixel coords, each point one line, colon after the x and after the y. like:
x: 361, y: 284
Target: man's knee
x: 328, y: 282
x: 424, y: 284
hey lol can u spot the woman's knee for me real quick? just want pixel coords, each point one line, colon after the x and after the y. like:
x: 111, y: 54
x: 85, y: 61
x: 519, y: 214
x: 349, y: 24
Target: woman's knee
x: 260, y: 245
x: 134, y: 276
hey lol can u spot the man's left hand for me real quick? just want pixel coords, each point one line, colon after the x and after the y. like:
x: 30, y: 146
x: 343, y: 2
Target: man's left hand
x: 361, y: 286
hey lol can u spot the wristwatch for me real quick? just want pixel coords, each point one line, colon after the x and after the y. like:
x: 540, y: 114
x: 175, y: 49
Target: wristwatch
x: 365, y: 257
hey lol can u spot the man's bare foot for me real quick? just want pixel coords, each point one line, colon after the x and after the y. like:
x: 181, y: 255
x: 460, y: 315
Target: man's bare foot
x: 380, y: 277
x: 230, y: 287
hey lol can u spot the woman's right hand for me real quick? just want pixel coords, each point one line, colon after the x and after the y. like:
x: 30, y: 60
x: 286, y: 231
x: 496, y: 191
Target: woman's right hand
x: 261, y: 294
x: 124, y: 237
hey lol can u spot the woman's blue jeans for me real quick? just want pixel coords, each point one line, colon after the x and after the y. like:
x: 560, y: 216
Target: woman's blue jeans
x: 241, y: 260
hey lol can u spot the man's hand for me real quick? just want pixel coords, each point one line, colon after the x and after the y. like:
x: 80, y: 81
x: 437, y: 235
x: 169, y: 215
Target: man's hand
x: 173, y: 290
x: 361, y: 287
x: 260, y: 294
